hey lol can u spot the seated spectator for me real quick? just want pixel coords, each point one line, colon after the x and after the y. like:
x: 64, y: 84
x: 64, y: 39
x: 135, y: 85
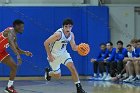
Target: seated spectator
x: 121, y: 53
x: 137, y: 62
x: 102, y: 55
x: 129, y: 64
x: 109, y: 61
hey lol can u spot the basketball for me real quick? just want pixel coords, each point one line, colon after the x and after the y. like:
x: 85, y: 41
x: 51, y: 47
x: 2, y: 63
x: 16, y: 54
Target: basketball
x: 83, y: 49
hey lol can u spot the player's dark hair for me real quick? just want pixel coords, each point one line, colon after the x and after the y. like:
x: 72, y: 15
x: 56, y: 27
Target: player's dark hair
x: 129, y: 45
x: 134, y: 41
x: 67, y: 21
x: 120, y: 42
x: 110, y: 43
x: 103, y: 44
x: 17, y: 22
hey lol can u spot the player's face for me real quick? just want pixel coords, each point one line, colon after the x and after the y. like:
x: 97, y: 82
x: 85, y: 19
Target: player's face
x: 138, y: 45
x: 134, y: 45
x: 103, y: 47
x: 129, y: 49
x: 108, y: 46
x: 19, y: 28
x: 119, y: 46
x: 67, y: 28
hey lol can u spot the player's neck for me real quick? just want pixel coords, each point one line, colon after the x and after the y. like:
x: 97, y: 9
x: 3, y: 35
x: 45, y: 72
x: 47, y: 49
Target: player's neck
x: 110, y: 49
x: 67, y: 34
x: 15, y: 31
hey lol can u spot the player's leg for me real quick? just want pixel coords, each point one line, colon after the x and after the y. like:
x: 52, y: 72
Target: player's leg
x: 75, y: 76
x: 137, y: 70
x: 126, y: 75
x: 109, y: 72
x: 73, y: 71
x: 95, y: 68
x: 13, y: 69
x: 113, y: 68
x: 102, y: 70
x: 120, y: 68
x: 55, y: 72
x: 130, y: 69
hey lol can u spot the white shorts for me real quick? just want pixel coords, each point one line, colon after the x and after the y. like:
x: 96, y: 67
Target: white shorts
x: 62, y: 59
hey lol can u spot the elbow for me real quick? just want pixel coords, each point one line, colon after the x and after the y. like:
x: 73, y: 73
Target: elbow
x: 46, y: 43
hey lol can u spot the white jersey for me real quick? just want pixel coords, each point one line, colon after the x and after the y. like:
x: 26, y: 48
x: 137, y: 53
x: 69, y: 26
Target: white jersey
x: 59, y: 47
x: 129, y: 54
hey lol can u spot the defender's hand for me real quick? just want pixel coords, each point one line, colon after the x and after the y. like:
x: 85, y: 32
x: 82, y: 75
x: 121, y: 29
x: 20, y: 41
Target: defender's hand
x: 19, y: 60
x: 27, y: 53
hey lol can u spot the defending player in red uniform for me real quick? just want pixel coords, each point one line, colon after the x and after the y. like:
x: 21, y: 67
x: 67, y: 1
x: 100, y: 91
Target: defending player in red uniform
x: 8, y: 38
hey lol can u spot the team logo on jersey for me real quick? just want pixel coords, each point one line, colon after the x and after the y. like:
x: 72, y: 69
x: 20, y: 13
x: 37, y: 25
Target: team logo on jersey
x: 66, y: 41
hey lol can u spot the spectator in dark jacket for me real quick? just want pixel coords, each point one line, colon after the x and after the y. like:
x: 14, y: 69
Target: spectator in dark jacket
x: 109, y: 61
x: 100, y: 58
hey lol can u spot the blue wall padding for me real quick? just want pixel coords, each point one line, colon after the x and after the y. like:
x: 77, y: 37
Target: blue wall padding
x: 90, y: 25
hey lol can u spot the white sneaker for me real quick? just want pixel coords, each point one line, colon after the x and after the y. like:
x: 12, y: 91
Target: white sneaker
x: 134, y: 79
x: 100, y: 75
x: 128, y: 79
x: 104, y: 76
x: 95, y: 75
x: 108, y: 77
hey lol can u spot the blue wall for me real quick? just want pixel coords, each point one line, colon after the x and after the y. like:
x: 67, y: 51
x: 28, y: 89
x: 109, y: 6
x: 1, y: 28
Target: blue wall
x: 90, y: 26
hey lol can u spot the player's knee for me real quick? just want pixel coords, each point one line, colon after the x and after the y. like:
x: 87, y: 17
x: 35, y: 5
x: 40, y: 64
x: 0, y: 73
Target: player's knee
x: 57, y: 75
x: 136, y: 62
x: 129, y: 63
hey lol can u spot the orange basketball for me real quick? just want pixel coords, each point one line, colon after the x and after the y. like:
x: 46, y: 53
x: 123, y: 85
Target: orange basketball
x: 83, y: 49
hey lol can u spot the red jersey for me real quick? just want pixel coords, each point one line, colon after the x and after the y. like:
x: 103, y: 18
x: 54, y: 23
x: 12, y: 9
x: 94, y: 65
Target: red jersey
x: 4, y: 40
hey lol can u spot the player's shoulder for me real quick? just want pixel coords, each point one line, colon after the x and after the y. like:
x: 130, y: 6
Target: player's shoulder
x: 9, y: 28
x: 58, y: 34
x: 7, y: 31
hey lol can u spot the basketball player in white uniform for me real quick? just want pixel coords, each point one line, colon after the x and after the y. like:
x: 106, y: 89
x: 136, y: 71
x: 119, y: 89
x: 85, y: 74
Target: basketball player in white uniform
x: 57, y: 54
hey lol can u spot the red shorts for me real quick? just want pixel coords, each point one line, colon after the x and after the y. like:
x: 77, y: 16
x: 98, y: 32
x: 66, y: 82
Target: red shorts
x: 3, y: 55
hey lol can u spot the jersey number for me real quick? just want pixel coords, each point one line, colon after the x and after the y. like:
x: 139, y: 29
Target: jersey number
x: 63, y: 45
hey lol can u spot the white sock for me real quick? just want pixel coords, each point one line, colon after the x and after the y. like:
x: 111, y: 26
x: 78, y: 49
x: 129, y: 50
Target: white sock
x: 138, y: 76
x: 10, y: 83
x: 77, y: 82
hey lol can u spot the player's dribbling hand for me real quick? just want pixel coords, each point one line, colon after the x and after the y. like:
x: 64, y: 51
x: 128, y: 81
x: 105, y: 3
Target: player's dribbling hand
x: 51, y: 58
x: 19, y: 60
x: 28, y: 53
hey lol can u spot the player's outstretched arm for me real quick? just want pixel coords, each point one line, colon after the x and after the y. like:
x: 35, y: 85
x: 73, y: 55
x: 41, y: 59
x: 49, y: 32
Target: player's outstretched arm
x: 27, y: 53
x: 73, y: 44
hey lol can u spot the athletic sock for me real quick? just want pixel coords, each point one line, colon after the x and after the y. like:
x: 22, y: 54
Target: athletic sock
x: 10, y: 83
